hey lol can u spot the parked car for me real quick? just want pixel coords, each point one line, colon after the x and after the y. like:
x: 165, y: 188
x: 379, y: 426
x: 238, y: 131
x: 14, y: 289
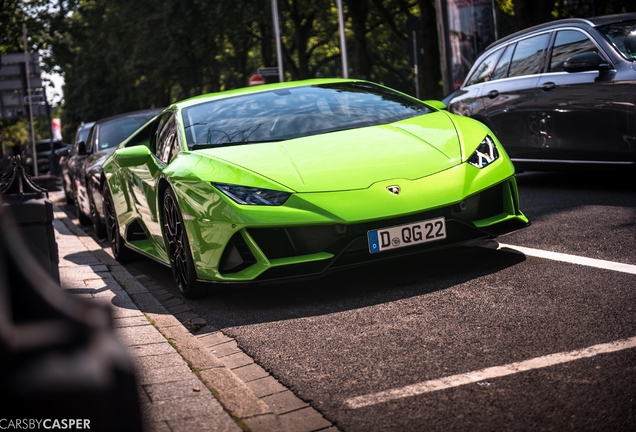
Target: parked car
x: 81, y: 135
x: 295, y: 179
x: 559, y: 94
x: 48, y: 152
x: 85, y: 165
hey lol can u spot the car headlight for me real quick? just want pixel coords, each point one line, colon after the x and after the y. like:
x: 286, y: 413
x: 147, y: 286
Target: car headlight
x: 252, y: 196
x: 485, y: 154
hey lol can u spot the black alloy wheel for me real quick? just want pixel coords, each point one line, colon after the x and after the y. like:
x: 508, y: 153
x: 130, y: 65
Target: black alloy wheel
x: 117, y: 246
x: 178, y: 247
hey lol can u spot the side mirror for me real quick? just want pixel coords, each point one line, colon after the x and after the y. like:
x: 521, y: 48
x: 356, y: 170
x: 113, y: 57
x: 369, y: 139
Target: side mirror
x: 132, y: 156
x: 587, y: 61
x: 81, y: 148
x: 436, y: 104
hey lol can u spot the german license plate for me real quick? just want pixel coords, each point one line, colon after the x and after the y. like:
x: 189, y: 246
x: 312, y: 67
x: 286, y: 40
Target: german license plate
x: 406, y: 235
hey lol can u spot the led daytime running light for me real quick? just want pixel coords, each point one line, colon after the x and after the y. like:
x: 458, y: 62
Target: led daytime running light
x: 252, y: 196
x: 485, y: 154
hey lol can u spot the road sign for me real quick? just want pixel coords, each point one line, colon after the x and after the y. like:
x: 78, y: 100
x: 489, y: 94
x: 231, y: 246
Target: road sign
x: 19, y: 99
x: 23, y: 112
x: 268, y: 71
x: 256, y: 80
x: 14, y: 70
x: 16, y: 84
x: 19, y: 58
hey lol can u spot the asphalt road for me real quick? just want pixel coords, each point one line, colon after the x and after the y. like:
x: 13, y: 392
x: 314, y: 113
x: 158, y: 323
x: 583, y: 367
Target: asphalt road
x: 441, y: 318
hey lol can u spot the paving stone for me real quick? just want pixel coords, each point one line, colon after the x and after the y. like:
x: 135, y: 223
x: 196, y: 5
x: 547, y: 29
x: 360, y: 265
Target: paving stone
x: 150, y: 349
x: 265, y: 386
x: 139, y: 335
x: 224, y: 349
x: 284, y: 402
x: 163, y: 375
x: 159, y: 361
x: 175, y: 409
x: 250, y: 372
x: 205, y: 330
x: 184, y: 316
x: 147, y: 303
x: 179, y: 309
x: 304, y: 420
x: 191, y: 387
x: 264, y: 423
x: 133, y: 321
x: 236, y: 360
x: 157, y: 426
x: 235, y: 395
x: 203, y: 424
x: 172, y: 302
x: 212, y: 339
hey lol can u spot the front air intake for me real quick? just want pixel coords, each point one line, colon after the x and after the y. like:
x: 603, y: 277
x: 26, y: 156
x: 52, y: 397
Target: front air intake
x: 237, y: 256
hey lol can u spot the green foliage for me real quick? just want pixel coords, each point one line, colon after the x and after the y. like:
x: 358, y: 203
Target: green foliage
x: 118, y: 56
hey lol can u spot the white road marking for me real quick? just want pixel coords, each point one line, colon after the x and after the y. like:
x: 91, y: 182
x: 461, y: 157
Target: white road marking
x: 574, y: 259
x: 488, y: 373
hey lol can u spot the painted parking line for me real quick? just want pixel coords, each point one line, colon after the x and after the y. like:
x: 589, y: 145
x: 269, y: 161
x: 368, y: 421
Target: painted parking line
x: 573, y: 259
x: 488, y: 373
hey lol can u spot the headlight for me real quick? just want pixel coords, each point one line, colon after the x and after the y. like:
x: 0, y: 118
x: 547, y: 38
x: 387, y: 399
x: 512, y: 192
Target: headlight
x: 252, y: 196
x: 485, y: 154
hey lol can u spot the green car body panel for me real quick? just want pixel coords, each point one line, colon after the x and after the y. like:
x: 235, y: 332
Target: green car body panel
x: 338, y: 178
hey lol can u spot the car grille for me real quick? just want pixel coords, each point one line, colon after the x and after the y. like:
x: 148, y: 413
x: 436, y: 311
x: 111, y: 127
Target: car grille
x: 348, y: 243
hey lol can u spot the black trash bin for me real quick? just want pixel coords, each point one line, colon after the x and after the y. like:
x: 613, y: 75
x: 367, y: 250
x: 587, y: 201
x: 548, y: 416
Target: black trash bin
x: 32, y: 216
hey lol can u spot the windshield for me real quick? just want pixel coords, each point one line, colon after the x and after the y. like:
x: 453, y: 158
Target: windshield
x: 623, y: 36
x: 295, y: 112
x: 112, y: 133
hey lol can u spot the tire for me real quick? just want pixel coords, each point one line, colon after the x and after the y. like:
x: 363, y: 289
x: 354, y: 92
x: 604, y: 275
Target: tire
x: 67, y: 192
x: 98, y: 225
x: 81, y: 217
x: 117, y: 245
x: 178, y: 247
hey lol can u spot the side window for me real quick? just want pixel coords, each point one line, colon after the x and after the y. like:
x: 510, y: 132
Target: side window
x: 167, y: 141
x: 567, y: 44
x: 485, y: 69
x: 526, y: 59
x: 92, y: 137
x: 501, y: 71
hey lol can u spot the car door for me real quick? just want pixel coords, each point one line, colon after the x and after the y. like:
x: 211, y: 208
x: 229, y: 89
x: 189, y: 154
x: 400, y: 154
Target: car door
x: 575, y: 108
x: 509, y: 97
x: 145, y: 178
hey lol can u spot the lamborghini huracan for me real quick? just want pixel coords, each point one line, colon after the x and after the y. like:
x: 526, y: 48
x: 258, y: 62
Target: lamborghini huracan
x: 298, y: 179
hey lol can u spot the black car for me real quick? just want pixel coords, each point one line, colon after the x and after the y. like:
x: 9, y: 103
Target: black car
x: 560, y: 94
x: 81, y: 135
x: 85, y: 165
x: 49, y: 152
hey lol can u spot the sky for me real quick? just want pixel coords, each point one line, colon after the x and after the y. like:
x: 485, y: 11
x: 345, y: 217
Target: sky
x: 54, y: 83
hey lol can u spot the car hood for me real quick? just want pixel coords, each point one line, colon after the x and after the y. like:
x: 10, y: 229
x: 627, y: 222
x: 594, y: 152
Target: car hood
x: 352, y: 159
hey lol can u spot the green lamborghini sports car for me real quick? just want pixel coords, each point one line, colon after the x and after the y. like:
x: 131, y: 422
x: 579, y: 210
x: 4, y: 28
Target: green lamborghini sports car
x: 297, y: 179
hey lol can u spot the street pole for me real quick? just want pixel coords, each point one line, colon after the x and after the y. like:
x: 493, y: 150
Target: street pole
x: 343, y: 41
x: 279, y: 51
x: 415, y: 62
x: 27, y: 69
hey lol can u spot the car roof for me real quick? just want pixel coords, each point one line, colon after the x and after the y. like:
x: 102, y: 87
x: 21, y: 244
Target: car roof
x: 591, y: 22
